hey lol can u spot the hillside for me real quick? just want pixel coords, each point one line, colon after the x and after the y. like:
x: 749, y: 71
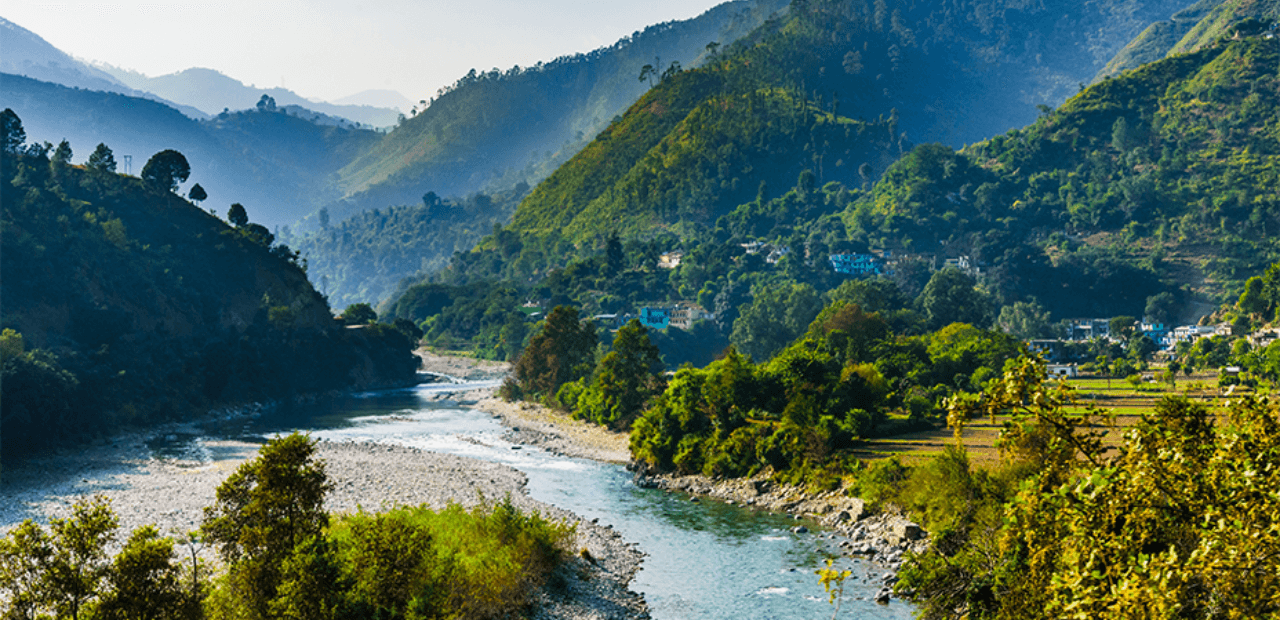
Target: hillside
x: 1187, y: 30
x: 1164, y: 179
x: 128, y: 304
x: 278, y: 165
x: 494, y: 129
x: 783, y: 99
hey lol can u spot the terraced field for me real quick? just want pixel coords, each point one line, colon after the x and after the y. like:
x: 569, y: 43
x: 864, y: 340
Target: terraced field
x: 1126, y: 401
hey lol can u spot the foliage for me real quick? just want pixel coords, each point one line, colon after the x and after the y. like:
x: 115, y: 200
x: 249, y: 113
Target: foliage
x: 265, y: 509
x: 136, y: 308
x: 166, y: 169
x: 624, y: 380
x: 559, y: 353
x: 1158, y: 527
x: 359, y: 314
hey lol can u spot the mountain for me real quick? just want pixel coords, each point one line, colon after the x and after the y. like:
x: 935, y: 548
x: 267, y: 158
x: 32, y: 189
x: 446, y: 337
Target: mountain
x: 213, y: 92
x: 27, y: 54
x: 492, y: 130
x: 692, y: 149
x: 378, y: 98
x: 277, y: 164
x: 1162, y: 180
x: 1189, y: 29
x: 125, y: 304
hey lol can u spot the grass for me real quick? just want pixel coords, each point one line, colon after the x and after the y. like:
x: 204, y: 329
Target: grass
x: 1128, y: 404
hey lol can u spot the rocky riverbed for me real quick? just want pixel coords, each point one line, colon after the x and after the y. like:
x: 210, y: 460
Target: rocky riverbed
x: 172, y: 493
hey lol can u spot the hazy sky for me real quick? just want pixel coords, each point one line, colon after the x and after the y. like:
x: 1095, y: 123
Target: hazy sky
x: 328, y: 49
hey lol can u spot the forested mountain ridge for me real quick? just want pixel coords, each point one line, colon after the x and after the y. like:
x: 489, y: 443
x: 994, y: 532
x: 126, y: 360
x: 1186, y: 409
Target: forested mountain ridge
x: 1165, y: 176
x: 124, y: 303
x: 492, y: 130
x: 1187, y: 30
x: 780, y: 101
x: 278, y: 164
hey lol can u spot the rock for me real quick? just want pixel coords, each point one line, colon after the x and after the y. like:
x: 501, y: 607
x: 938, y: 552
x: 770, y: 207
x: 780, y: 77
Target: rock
x: 908, y: 531
x: 800, y: 529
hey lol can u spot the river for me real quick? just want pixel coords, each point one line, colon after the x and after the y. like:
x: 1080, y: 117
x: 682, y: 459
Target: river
x: 705, y: 559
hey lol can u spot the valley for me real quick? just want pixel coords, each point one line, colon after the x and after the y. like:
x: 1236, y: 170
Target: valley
x: 819, y: 260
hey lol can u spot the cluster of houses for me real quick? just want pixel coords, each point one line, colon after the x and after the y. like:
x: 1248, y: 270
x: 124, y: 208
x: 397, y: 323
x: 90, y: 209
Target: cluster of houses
x: 681, y: 314
x: 883, y: 263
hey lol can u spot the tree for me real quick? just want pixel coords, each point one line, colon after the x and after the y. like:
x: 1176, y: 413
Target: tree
x: 613, y: 256
x: 237, y: 215
x: 1160, y: 308
x: 197, y: 194
x: 263, y: 511
x: 61, y: 155
x: 1121, y: 327
x: 145, y: 580
x: 1025, y: 320
x: 266, y: 103
x: 24, y: 555
x: 624, y: 379
x: 777, y: 316
x: 561, y: 352
x: 102, y: 159
x: 78, y: 565
x: 951, y: 296
x: 12, y: 135
x: 359, y: 314
x: 166, y: 169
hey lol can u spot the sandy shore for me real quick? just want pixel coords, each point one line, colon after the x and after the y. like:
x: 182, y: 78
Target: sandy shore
x: 466, y: 368
x: 556, y: 432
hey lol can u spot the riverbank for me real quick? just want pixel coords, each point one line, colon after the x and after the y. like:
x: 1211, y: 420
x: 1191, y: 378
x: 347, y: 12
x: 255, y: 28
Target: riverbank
x: 172, y: 493
x: 556, y: 432
x: 460, y: 367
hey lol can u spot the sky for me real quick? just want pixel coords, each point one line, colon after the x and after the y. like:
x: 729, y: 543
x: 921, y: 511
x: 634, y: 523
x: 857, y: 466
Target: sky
x: 329, y: 49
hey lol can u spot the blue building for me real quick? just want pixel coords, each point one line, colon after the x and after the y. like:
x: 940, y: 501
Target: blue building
x: 856, y: 264
x: 655, y: 318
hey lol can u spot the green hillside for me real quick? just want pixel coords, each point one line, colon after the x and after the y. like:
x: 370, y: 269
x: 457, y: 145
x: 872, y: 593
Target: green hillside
x: 1165, y: 178
x: 783, y: 101
x: 128, y: 304
x: 494, y: 129
x: 1202, y: 23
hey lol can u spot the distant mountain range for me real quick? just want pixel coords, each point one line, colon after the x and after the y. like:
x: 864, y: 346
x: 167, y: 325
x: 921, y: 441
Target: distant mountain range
x: 212, y: 92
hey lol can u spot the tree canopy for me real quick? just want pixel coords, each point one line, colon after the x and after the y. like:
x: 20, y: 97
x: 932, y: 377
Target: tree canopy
x: 166, y: 169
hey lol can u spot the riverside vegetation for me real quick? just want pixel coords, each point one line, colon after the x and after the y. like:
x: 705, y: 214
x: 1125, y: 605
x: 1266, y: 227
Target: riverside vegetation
x: 282, y: 556
x: 125, y: 304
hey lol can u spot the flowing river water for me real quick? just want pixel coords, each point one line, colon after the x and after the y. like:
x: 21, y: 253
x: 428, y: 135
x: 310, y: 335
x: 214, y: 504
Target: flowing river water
x: 704, y: 560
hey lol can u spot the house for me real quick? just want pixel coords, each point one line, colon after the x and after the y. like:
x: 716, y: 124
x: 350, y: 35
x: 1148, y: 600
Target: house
x: 776, y: 254
x: 1157, y: 332
x: 655, y: 318
x: 1088, y: 329
x: 1064, y: 371
x: 754, y: 247
x: 964, y: 264
x: 1050, y: 349
x: 684, y: 314
x: 852, y: 264
x: 1192, y: 333
x: 670, y: 260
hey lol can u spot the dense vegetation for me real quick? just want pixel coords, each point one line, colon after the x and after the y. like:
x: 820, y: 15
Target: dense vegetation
x: 284, y: 557
x: 124, y: 303
x: 1164, y: 176
x: 364, y: 258
x: 492, y: 130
